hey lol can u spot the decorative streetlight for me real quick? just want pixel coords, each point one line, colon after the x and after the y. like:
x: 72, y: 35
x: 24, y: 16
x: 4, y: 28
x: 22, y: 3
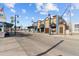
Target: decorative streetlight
x: 49, y: 17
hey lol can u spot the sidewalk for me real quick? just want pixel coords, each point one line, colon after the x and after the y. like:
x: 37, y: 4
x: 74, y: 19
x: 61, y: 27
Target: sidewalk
x: 9, y: 47
x: 76, y: 37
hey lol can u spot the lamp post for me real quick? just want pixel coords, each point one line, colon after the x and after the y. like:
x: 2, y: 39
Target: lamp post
x: 49, y: 17
x: 15, y: 22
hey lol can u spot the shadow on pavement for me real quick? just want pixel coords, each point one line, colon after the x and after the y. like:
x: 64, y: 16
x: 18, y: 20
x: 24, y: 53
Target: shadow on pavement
x: 50, y: 49
x: 20, y: 34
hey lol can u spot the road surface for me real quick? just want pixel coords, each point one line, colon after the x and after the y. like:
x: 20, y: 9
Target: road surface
x: 39, y: 44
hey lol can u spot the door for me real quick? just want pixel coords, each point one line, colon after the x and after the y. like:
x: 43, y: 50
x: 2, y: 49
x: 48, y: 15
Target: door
x: 61, y: 30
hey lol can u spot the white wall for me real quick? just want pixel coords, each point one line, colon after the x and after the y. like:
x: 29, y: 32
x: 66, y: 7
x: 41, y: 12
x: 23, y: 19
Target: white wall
x: 75, y: 30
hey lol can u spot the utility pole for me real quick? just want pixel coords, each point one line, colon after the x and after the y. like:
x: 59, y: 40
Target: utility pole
x: 70, y: 23
x: 49, y: 17
x: 70, y: 27
x: 33, y: 25
x: 15, y: 22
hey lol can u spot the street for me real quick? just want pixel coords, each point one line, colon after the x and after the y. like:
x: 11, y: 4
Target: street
x: 39, y: 44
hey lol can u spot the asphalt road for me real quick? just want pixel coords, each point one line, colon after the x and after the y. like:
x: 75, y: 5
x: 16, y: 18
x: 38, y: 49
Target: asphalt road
x: 39, y: 44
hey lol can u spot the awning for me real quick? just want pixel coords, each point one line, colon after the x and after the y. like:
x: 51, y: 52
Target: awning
x: 53, y: 25
x: 5, y: 24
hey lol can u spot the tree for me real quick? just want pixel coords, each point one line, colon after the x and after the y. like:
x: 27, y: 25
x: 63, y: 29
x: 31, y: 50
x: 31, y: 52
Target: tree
x: 12, y: 19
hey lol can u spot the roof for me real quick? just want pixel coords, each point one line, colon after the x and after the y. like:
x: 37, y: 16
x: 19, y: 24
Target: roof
x: 30, y: 27
x: 6, y: 24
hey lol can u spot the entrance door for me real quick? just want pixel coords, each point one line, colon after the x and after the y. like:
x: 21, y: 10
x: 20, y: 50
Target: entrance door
x: 47, y: 30
x: 42, y: 29
x: 61, y: 30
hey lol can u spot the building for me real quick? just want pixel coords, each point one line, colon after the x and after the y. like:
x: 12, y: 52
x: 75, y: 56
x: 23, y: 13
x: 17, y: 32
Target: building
x: 42, y: 26
x: 5, y: 28
x: 38, y: 25
x: 46, y: 25
x: 30, y: 28
x: 75, y: 28
x: 54, y: 25
x: 18, y: 28
x: 35, y: 26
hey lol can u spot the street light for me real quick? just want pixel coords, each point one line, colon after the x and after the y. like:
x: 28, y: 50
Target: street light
x: 49, y: 17
x: 15, y: 22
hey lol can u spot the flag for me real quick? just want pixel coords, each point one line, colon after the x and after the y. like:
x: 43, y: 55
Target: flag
x: 1, y: 9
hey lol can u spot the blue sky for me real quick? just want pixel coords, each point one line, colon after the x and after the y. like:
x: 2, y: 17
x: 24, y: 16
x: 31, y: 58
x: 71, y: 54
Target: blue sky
x: 35, y: 11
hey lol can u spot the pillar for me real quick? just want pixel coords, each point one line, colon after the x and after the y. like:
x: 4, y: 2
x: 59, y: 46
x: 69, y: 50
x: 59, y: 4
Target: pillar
x: 57, y: 24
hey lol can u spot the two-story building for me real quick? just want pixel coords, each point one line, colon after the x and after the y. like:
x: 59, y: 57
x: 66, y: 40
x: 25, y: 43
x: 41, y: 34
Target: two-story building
x: 56, y: 24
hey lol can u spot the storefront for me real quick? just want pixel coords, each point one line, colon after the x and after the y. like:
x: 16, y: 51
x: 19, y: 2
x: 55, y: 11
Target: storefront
x: 5, y: 28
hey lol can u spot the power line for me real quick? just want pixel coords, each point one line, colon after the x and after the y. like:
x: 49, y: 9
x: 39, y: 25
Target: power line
x: 65, y: 10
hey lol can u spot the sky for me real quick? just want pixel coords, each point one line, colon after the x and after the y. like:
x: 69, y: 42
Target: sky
x: 29, y: 12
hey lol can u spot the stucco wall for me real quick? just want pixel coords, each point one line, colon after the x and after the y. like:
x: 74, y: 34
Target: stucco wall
x: 39, y: 23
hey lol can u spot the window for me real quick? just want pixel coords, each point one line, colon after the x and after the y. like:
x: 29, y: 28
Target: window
x: 76, y: 25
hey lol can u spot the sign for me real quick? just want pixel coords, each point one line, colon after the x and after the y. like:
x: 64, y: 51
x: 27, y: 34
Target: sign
x: 1, y: 24
x: 2, y: 16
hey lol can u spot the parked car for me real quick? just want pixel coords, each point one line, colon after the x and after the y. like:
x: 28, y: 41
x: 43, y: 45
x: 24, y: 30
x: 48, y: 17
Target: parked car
x: 7, y: 34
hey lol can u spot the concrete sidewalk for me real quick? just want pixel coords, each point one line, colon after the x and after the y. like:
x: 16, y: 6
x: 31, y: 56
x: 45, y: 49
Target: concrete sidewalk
x: 9, y: 47
x: 67, y: 37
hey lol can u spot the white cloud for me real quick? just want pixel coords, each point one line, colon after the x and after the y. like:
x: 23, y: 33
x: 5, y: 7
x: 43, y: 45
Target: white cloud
x: 12, y: 10
x: 72, y: 14
x: 72, y: 7
x: 43, y: 8
x: 76, y: 5
x: 30, y: 4
x: 10, y: 5
x: 51, y: 7
x: 43, y: 13
x: 23, y: 10
x: 26, y: 17
x: 41, y: 19
x: 33, y: 18
x: 39, y: 6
